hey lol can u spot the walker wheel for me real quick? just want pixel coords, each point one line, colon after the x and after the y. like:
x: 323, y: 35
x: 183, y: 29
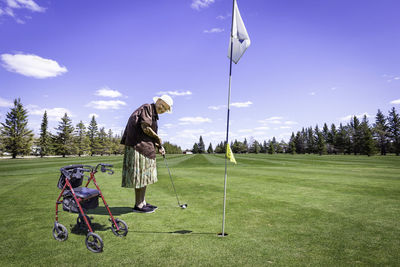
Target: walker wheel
x: 94, y: 243
x: 60, y: 233
x: 123, y: 228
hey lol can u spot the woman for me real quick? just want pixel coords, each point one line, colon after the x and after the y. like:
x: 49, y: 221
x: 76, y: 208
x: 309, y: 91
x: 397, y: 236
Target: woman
x: 141, y: 140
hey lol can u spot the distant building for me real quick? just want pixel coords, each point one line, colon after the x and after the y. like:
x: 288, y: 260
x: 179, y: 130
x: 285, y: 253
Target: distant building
x: 187, y: 151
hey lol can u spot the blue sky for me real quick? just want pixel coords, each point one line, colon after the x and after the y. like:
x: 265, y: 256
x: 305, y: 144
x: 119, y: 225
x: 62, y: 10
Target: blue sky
x: 309, y: 62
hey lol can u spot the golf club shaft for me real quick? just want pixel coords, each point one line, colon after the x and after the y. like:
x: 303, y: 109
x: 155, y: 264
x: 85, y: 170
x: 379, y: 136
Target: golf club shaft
x: 170, y: 177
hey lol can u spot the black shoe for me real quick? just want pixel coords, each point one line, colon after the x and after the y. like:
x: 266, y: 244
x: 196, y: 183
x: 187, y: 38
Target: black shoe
x: 144, y: 209
x: 151, y: 206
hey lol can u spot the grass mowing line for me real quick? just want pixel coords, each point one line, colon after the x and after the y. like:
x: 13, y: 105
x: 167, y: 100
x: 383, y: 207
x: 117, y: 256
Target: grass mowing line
x: 281, y: 222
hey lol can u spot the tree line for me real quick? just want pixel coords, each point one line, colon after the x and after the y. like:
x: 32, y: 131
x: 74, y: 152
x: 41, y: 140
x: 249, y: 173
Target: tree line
x: 357, y: 137
x: 16, y: 139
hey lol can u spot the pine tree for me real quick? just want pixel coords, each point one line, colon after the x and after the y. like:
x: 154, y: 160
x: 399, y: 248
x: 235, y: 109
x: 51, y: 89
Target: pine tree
x: 195, y: 149
x: 93, y: 133
x: 355, y: 133
x: 81, y: 139
x: 102, y: 142
x: 45, y: 138
x: 271, y: 148
x: 381, y: 132
x: 292, y: 145
x: 340, y: 142
x: 331, y: 141
x: 367, y: 141
x: 15, y: 135
x: 64, y: 139
x: 210, y: 149
x: 394, y: 130
x: 320, y: 141
x: 201, y: 145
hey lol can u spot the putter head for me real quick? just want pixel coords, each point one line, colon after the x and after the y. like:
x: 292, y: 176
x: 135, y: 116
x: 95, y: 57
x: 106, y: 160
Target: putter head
x: 184, y: 206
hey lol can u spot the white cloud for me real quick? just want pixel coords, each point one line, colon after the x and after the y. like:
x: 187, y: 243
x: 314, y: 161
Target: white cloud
x: 222, y: 17
x: 168, y: 125
x: 6, y: 103
x: 245, y: 130
x: 53, y: 114
x: 193, y: 120
x: 312, y: 93
x: 262, y: 128
x: 216, y: 107
x: 93, y: 114
x: 396, y: 102
x: 214, y: 30
x: 285, y: 127
x: 107, y: 92
x: 347, y: 118
x: 290, y: 122
x: 272, y: 120
x: 32, y: 65
x: 106, y: 104
x: 199, y: 4
x: 242, y: 104
x: 175, y: 93
x: 28, y: 4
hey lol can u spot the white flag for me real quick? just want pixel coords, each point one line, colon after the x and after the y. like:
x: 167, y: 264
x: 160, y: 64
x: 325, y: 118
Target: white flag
x: 240, y: 38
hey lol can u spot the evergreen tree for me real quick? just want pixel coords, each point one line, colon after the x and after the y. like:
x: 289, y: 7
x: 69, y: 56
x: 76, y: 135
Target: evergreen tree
x: 299, y: 142
x: 331, y: 141
x: 381, y: 132
x: 255, y: 147
x: 93, y: 133
x: 264, y: 147
x: 245, y: 147
x: 271, y: 148
x: 210, y: 149
x: 325, y: 132
x: 320, y: 141
x: 102, y: 142
x: 355, y: 135
x: 394, y: 130
x: 367, y: 141
x: 81, y: 139
x: 16, y: 137
x: 64, y: 139
x: 292, y: 144
x: 201, y: 145
x: 341, y: 139
x: 45, y: 138
x: 195, y: 149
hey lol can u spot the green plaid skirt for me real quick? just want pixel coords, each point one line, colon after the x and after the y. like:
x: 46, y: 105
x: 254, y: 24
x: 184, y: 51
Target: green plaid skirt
x: 137, y: 171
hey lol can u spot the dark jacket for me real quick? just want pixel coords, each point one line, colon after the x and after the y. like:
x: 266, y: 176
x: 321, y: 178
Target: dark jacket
x: 134, y: 135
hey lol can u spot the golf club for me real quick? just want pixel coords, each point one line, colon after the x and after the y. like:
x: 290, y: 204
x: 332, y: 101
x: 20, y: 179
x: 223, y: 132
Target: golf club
x: 183, y: 206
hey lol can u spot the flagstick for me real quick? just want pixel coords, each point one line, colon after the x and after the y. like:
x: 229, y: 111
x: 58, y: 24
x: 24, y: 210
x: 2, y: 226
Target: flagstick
x: 227, y: 127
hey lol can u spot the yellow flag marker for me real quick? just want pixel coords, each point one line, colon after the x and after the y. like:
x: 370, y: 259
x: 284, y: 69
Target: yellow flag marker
x: 229, y: 154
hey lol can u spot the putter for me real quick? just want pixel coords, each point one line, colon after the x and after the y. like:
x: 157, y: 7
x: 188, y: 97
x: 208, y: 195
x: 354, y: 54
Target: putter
x: 183, y: 206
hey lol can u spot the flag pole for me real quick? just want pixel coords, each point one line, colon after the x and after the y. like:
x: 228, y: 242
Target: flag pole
x: 227, y: 125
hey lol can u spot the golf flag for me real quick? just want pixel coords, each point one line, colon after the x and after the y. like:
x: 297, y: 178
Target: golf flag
x: 240, y: 39
x: 229, y: 154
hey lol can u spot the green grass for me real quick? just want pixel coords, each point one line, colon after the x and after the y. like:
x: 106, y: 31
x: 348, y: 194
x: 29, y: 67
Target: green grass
x: 282, y: 210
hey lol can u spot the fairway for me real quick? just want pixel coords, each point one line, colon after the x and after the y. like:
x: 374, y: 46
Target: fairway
x: 283, y: 210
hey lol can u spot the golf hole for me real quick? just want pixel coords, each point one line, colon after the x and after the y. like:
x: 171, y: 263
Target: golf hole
x: 220, y: 234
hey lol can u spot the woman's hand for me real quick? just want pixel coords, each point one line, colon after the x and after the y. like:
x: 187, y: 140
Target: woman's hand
x: 161, y: 150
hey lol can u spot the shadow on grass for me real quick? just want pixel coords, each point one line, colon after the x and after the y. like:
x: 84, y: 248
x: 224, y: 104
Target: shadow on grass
x: 181, y: 232
x: 82, y: 229
x: 114, y: 210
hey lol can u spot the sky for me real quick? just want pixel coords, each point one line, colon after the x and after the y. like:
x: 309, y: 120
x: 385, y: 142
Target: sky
x: 310, y: 62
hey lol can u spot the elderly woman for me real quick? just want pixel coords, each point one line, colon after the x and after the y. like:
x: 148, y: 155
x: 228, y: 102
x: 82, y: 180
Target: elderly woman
x: 141, y: 141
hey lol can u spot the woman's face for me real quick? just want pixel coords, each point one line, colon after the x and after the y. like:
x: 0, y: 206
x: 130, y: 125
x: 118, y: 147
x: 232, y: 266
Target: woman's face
x: 161, y: 106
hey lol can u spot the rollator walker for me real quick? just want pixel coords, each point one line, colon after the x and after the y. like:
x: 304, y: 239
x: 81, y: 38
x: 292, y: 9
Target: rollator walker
x: 77, y: 199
